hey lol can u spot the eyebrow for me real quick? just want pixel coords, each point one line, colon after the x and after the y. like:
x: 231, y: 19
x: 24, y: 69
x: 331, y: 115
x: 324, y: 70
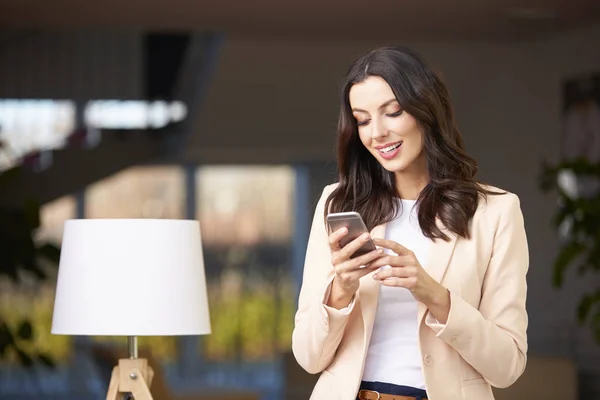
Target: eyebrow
x: 387, y: 103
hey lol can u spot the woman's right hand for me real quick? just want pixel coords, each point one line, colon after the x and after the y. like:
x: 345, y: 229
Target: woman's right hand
x: 348, y: 271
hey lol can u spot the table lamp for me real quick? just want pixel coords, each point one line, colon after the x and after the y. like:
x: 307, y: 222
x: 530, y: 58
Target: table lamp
x: 131, y: 277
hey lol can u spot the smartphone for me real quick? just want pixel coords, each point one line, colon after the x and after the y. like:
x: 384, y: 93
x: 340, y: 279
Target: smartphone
x: 356, y: 227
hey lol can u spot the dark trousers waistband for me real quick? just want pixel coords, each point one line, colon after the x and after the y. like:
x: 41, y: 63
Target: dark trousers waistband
x: 389, y: 388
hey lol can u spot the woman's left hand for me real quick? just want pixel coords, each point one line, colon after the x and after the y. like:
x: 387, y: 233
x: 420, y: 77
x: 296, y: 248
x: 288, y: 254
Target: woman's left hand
x: 407, y: 272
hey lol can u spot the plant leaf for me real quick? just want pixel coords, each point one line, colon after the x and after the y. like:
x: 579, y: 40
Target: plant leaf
x: 6, y: 336
x: 596, y: 325
x: 25, y: 359
x: 50, y: 252
x: 6, y: 339
x: 31, y: 211
x: 566, y: 255
x: 46, y: 360
x: 25, y: 330
x: 584, y: 308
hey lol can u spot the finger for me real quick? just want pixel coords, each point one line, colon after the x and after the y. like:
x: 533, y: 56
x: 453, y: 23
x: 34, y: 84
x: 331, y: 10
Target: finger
x: 390, y: 244
x: 355, y: 274
x: 365, y: 259
x: 354, y: 245
x: 335, y: 237
x: 352, y: 270
x: 379, y: 262
x: 361, y: 262
x: 363, y: 271
x: 408, y: 283
x: 393, y: 261
x: 395, y: 272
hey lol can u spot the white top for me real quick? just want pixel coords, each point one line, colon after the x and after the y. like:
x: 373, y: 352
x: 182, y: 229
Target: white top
x: 394, y: 355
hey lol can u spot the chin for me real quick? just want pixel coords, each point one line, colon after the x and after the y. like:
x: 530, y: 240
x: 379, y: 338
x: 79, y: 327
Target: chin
x: 393, y: 165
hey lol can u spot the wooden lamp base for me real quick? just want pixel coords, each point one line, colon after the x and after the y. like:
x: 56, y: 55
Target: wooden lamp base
x: 131, y: 376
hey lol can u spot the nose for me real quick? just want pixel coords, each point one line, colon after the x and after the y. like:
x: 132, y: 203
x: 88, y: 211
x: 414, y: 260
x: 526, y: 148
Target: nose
x: 379, y: 129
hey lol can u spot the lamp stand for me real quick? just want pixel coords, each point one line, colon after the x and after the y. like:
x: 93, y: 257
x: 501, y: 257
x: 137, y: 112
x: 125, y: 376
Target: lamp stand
x: 131, y: 376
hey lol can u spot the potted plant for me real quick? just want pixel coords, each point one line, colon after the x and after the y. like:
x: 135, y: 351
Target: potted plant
x: 577, y: 219
x: 21, y: 257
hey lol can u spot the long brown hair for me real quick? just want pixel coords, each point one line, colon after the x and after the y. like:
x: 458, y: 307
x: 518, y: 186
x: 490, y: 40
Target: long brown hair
x: 452, y: 193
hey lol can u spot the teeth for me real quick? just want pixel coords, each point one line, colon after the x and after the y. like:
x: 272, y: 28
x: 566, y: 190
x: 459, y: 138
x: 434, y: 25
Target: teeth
x: 390, y: 148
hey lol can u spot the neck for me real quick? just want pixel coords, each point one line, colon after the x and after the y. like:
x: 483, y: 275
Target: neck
x: 411, y: 182
x: 409, y: 187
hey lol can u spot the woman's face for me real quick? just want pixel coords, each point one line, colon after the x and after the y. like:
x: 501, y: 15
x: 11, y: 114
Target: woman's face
x: 392, y: 135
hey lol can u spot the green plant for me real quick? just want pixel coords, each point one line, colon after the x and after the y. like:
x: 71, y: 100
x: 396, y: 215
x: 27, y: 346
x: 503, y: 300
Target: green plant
x: 581, y: 244
x: 21, y: 258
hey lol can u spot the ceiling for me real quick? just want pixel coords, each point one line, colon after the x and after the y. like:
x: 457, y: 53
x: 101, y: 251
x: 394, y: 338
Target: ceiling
x: 320, y: 19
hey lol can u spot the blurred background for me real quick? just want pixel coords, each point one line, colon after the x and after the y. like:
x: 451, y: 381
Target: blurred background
x: 225, y: 112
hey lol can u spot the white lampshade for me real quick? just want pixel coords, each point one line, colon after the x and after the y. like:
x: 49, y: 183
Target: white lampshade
x: 131, y: 277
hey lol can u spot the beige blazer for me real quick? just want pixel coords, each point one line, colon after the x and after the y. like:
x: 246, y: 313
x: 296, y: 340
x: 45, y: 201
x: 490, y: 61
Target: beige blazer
x: 483, y: 343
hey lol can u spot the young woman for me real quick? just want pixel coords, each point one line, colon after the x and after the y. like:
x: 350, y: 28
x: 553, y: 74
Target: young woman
x: 438, y: 310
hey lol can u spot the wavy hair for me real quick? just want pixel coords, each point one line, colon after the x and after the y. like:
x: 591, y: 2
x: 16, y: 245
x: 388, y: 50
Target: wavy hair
x: 452, y: 194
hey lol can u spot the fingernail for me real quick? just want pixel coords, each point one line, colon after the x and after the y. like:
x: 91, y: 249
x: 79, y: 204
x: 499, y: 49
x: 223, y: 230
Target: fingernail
x: 365, y: 236
x: 375, y: 276
x: 379, y: 251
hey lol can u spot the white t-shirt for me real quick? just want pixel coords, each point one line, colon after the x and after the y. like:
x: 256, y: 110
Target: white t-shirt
x: 393, y: 355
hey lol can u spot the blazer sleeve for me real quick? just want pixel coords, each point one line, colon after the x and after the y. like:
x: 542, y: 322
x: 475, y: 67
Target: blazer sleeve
x: 497, y: 331
x: 318, y: 328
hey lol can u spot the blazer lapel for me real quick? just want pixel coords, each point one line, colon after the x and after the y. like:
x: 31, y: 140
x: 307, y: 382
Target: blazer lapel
x: 369, y: 290
x: 438, y: 259
x: 439, y: 254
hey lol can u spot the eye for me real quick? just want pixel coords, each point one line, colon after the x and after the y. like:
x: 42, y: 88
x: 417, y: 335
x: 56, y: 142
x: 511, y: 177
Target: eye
x: 362, y: 123
x: 396, y: 114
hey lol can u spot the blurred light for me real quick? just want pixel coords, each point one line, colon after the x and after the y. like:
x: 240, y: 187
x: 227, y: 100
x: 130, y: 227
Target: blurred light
x: 115, y: 114
x: 33, y: 125
x: 178, y: 111
x: 158, y: 114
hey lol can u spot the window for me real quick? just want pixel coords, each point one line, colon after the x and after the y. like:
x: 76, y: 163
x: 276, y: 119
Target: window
x: 30, y: 125
x: 138, y: 192
x: 246, y: 216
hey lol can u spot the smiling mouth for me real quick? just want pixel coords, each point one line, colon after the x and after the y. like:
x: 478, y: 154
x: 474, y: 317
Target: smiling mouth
x: 390, y: 148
